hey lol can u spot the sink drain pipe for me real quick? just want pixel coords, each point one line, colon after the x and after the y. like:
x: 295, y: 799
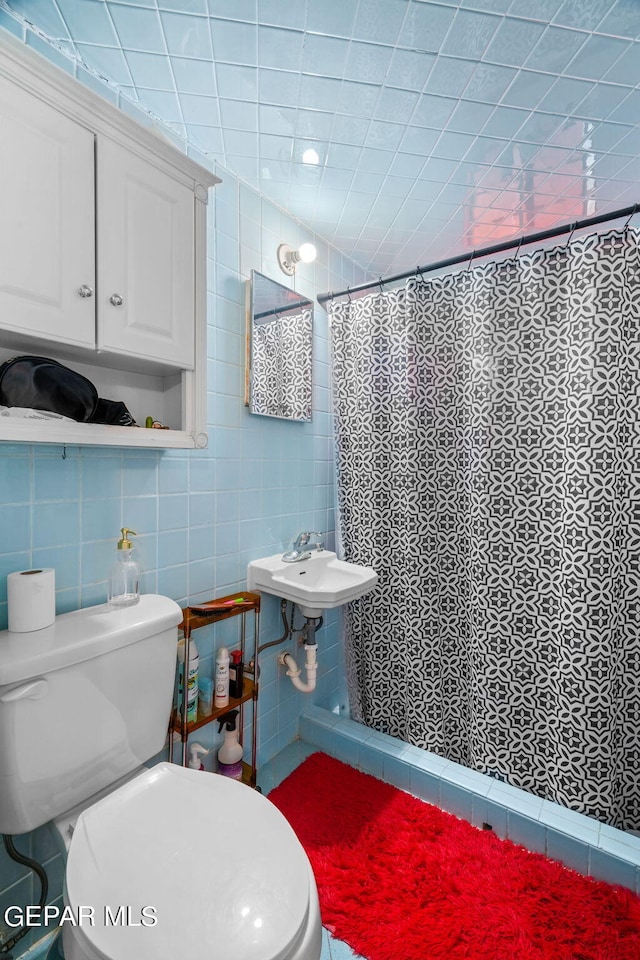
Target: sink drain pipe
x: 311, y: 665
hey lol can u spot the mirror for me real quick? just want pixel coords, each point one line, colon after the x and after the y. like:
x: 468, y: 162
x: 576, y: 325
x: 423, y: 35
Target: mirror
x: 279, y: 350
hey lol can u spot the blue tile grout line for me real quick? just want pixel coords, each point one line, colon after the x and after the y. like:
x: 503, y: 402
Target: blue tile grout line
x: 579, y: 842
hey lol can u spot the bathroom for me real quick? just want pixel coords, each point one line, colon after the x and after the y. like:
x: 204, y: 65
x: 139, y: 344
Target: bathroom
x: 203, y: 515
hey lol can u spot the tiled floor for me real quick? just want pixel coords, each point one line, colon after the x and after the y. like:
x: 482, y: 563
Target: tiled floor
x: 269, y: 777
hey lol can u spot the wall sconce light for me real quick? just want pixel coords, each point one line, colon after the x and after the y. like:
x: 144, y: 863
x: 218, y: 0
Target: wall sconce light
x: 287, y: 258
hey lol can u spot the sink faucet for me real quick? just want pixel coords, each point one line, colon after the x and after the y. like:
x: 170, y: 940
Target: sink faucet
x: 302, y: 548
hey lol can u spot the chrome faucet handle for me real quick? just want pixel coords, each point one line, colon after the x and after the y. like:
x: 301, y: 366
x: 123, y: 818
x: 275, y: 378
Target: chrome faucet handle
x: 301, y: 549
x: 320, y: 544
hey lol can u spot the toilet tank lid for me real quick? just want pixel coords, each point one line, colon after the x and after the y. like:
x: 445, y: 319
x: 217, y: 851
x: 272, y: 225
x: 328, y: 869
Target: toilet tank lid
x: 82, y: 635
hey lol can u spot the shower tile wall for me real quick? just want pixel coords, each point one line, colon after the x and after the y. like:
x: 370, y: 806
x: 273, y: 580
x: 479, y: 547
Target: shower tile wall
x: 200, y: 515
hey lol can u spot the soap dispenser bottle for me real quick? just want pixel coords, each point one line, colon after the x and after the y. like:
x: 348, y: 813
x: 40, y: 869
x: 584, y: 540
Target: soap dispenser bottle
x: 196, y: 752
x: 124, y: 588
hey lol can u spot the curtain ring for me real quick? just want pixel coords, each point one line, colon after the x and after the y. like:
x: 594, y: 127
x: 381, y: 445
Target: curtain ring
x: 380, y: 284
x: 470, y: 262
x: 573, y: 230
x: 517, y: 254
x: 348, y: 294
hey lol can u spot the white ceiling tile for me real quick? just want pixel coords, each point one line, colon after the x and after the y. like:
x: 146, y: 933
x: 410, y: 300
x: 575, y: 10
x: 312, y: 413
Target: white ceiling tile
x: 357, y: 99
x: 602, y: 102
x: 582, y: 16
x: 555, y: 49
x: 489, y: 82
x: 504, y: 122
x: 565, y: 95
x: 453, y: 146
x: 351, y: 130
x: 194, y: 76
x: 325, y: 56
x: 314, y: 123
x: 280, y: 49
x: 470, y: 34
x: 410, y: 69
x: 385, y: 135
x: 625, y: 70
x: 596, y: 56
x: 425, y: 27
x: 449, y: 76
x: 513, y: 42
x: 316, y: 93
x: 235, y: 42
x: 438, y: 124
x: 187, y: 36
x: 419, y: 141
x: 396, y: 105
x: 109, y: 62
x: 90, y: 22
x: 150, y: 70
x: 237, y: 82
x: 379, y: 20
x: 628, y: 109
x: 621, y: 20
x: 331, y: 17
x: 433, y: 111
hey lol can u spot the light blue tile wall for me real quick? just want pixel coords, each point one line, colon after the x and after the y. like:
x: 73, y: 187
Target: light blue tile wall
x: 200, y: 515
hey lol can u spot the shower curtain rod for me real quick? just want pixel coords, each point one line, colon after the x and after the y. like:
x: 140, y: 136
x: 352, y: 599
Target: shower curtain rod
x: 486, y: 251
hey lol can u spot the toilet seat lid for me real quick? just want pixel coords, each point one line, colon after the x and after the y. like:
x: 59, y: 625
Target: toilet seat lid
x: 210, y: 859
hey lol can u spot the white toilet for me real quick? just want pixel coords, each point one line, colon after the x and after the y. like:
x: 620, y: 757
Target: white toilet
x: 162, y: 862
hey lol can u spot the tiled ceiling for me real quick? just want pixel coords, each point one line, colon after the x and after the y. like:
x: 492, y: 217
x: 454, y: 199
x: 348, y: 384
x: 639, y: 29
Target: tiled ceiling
x: 440, y: 127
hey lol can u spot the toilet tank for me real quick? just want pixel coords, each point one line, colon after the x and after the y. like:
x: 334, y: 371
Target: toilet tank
x: 82, y: 703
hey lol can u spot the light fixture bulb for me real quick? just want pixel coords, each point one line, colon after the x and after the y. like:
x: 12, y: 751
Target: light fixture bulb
x: 287, y: 257
x: 307, y: 253
x: 311, y: 156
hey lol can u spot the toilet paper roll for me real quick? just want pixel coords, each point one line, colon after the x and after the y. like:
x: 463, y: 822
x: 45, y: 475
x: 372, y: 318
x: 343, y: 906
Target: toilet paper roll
x: 31, y: 596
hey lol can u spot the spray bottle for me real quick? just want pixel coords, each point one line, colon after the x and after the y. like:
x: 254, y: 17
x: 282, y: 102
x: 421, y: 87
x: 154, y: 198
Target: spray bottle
x: 221, y: 689
x: 230, y: 753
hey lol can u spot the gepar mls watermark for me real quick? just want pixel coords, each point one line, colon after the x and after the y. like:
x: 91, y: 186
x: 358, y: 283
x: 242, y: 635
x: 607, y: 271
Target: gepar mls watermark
x: 85, y: 916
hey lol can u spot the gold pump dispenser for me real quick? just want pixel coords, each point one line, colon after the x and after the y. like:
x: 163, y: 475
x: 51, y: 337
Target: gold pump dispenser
x: 124, y: 582
x: 125, y: 543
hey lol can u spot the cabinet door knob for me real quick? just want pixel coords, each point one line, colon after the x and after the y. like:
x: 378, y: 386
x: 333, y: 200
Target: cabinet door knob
x: 85, y: 291
x: 116, y: 300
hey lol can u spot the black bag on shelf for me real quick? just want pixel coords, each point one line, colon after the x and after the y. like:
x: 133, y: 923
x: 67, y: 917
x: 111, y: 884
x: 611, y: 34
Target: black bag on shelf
x: 39, y: 383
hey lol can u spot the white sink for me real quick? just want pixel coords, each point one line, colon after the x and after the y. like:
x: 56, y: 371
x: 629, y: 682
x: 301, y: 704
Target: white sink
x: 316, y: 584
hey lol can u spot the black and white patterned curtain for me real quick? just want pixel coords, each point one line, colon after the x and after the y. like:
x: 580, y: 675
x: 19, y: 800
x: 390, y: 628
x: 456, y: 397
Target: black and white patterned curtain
x: 488, y: 455
x: 281, y: 366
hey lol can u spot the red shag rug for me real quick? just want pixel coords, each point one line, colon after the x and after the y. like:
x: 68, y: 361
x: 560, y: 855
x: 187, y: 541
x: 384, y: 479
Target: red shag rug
x: 400, y: 879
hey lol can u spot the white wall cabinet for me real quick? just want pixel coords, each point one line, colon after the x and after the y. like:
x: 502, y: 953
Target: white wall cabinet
x: 47, y: 231
x: 102, y: 255
x: 145, y: 259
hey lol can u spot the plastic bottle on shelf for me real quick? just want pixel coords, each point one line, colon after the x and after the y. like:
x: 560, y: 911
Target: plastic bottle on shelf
x: 205, y: 696
x: 230, y: 753
x: 196, y: 752
x: 192, y: 679
x: 236, y: 670
x: 221, y: 694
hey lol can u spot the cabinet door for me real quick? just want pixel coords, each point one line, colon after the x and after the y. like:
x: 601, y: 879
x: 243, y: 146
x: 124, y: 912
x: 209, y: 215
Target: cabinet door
x: 145, y: 259
x: 47, y: 213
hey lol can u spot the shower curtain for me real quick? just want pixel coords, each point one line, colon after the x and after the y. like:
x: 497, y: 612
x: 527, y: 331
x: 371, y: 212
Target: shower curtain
x: 488, y: 457
x: 281, y: 364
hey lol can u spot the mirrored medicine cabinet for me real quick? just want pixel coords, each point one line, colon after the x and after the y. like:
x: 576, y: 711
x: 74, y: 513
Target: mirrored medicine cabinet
x: 279, y: 350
